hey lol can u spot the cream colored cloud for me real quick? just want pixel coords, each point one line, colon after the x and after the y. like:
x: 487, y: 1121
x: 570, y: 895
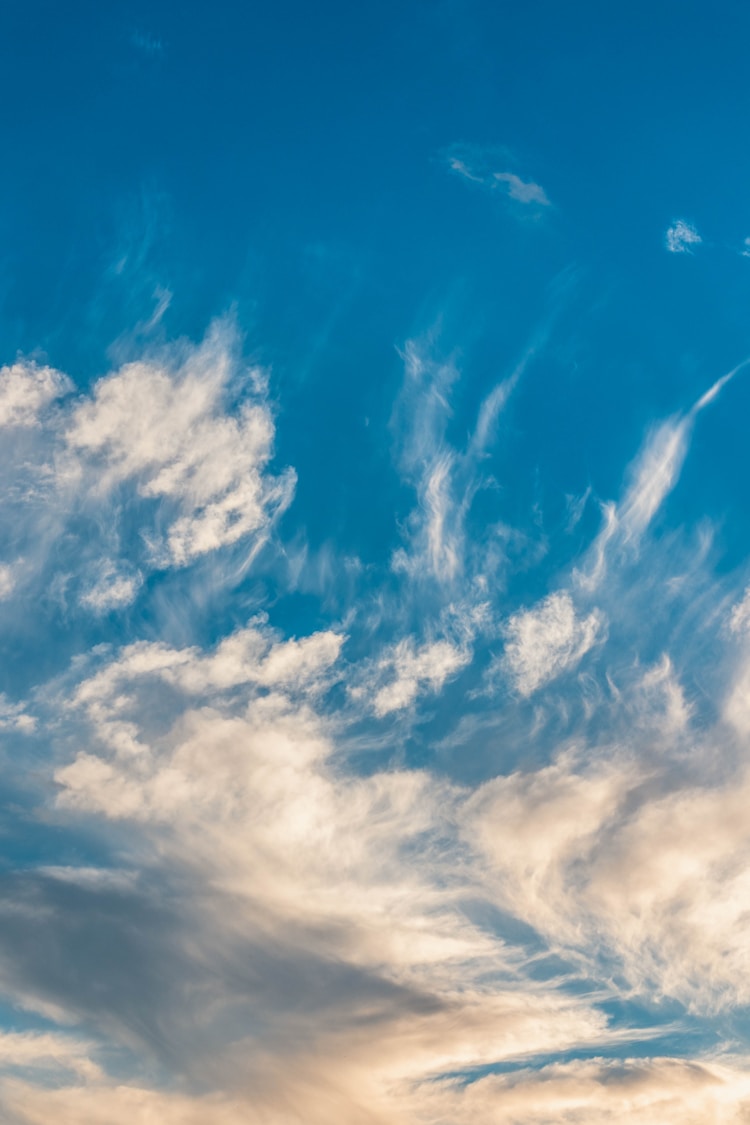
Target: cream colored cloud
x: 618, y: 857
x: 406, y: 671
x: 111, y: 588
x: 26, y: 389
x: 658, y: 1091
x: 164, y: 428
x: 310, y: 861
x: 547, y: 640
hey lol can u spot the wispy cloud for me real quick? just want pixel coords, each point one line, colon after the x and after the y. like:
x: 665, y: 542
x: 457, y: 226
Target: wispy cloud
x: 522, y: 190
x: 653, y: 475
x: 680, y: 237
x: 183, y: 438
x: 479, y: 165
x: 27, y: 390
x: 271, y: 931
x: 543, y: 642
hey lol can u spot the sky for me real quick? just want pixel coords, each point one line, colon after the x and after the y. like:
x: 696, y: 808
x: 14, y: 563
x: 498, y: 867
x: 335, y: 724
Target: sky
x: 374, y: 581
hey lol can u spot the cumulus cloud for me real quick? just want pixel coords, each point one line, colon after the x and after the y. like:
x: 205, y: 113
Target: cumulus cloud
x: 680, y: 237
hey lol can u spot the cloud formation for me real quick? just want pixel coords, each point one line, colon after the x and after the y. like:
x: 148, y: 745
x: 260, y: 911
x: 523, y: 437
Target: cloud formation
x: 680, y: 237
x: 294, y: 912
x: 479, y: 166
x: 543, y: 642
x: 164, y: 462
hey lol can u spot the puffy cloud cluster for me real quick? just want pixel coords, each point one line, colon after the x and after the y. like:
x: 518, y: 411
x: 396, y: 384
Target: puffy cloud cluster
x: 163, y: 463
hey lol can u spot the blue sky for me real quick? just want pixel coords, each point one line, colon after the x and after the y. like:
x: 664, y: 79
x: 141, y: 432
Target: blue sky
x: 374, y: 595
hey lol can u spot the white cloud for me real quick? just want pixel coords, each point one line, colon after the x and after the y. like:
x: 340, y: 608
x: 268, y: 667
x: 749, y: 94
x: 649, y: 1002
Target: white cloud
x: 680, y: 237
x: 739, y: 620
x: 543, y: 642
x: 164, y: 463
x: 446, y: 479
x: 521, y: 190
x: 652, y: 477
x: 112, y: 588
x: 623, y: 1091
x: 164, y: 428
x: 304, y: 940
x: 409, y: 670
x: 15, y: 716
x: 478, y: 165
x: 7, y: 581
x: 26, y: 389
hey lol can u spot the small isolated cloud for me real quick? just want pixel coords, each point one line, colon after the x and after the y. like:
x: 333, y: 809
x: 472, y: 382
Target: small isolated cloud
x: 745, y: 251
x: 680, y: 237
x: 479, y: 166
x: 548, y: 640
x: 112, y: 588
x: 522, y: 190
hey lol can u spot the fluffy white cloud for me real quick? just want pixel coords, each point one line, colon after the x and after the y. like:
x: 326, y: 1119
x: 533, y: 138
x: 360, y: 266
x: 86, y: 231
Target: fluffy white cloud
x: 111, y: 588
x: 165, y: 429
x: 164, y: 463
x: 408, y: 670
x: 543, y: 642
x: 26, y: 389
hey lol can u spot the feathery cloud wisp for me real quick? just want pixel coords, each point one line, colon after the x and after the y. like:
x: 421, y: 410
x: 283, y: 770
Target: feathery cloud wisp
x: 680, y: 237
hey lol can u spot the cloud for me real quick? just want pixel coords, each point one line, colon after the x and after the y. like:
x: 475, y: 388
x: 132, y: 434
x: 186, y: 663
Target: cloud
x: 520, y: 190
x: 543, y: 642
x: 446, y: 479
x: 7, y: 581
x: 112, y: 588
x: 321, y: 912
x: 164, y: 463
x: 26, y: 390
x: 652, y: 476
x: 164, y: 430
x: 407, y: 671
x: 478, y: 165
x: 248, y: 899
x: 628, y: 1091
x: 680, y: 237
